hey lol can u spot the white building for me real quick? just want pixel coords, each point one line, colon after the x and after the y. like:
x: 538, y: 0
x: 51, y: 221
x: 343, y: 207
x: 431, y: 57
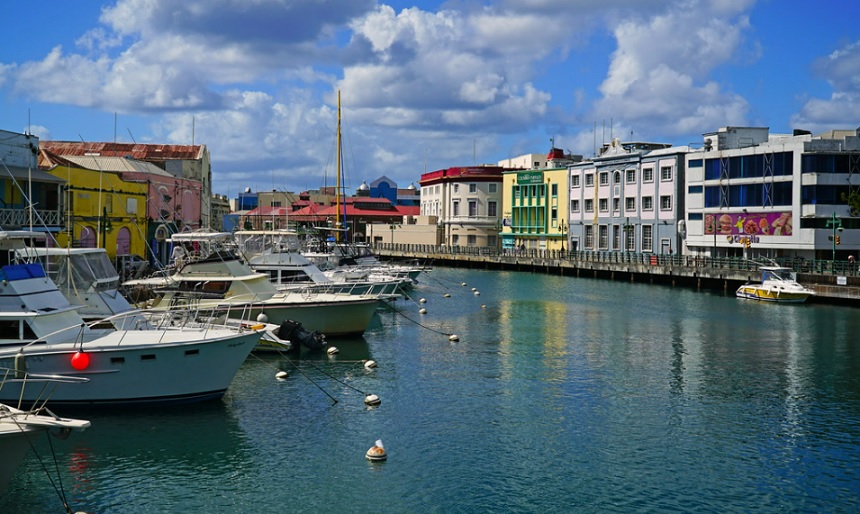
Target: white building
x: 759, y: 195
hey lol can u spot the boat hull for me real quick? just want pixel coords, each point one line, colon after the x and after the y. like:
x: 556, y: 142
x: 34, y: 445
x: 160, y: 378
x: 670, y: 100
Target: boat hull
x: 334, y: 319
x: 178, y: 369
x: 768, y: 295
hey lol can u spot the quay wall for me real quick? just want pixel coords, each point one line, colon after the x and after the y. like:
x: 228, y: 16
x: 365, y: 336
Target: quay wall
x: 833, y: 282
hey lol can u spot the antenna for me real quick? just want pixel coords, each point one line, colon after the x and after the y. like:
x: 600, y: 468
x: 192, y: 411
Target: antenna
x: 131, y: 136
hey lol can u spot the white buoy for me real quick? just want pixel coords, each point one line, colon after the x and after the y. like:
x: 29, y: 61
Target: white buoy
x: 376, y: 452
x: 423, y: 300
x: 453, y: 337
x: 422, y: 311
x: 474, y: 289
x: 483, y: 306
x: 463, y: 284
x: 370, y: 364
x: 477, y: 293
x: 262, y: 318
x: 372, y: 400
x: 332, y: 350
x: 281, y: 375
x: 446, y: 295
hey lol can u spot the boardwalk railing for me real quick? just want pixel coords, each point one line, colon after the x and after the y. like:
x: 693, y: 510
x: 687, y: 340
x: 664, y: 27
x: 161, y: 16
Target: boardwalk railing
x: 799, y: 265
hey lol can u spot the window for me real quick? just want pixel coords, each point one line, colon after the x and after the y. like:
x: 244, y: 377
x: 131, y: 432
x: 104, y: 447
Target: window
x: 491, y: 187
x: 473, y: 188
x: 491, y: 209
x: 666, y: 203
x: 455, y: 210
x: 604, y: 205
x: 554, y: 190
x: 456, y: 188
x: 574, y: 181
x: 616, y: 204
x: 647, y: 174
x: 574, y: 206
x: 455, y: 240
x: 589, y: 236
x: 604, y: 179
x: 630, y: 237
x: 631, y: 176
x: 647, y: 238
x: 647, y: 203
x: 603, y: 236
x: 589, y: 179
x: 616, y: 237
x: 473, y: 208
x: 616, y: 177
x: 589, y: 206
x: 471, y: 240
x: 666, y: 173
x: 630, y: 204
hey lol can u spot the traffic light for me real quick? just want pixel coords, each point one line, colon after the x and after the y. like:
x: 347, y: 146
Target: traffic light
x: 837, y: 239
x: 747, y: 242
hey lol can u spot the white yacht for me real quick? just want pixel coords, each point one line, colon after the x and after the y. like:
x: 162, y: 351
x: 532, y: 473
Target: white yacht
x: 174, y: 357
x: 216, y: 278
x: 277, y: 254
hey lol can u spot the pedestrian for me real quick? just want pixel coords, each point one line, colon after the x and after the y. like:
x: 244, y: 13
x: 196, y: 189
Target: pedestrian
x: 178, y: 256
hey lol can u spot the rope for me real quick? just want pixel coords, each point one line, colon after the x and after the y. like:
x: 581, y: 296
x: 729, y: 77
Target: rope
x: 333, y: 399
x: 416, y: 322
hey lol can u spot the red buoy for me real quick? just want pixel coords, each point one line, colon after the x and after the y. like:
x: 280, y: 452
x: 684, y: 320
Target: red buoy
x: 80, y: 361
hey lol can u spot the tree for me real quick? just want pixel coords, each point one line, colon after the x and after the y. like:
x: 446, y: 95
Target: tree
x: 853, y: 201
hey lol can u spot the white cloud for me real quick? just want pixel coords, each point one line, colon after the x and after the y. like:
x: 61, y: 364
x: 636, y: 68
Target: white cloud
x: 841, y: 69
x: 658, y: 76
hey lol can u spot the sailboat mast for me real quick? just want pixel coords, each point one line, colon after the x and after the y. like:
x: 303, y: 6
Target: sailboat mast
x: 337, y: 191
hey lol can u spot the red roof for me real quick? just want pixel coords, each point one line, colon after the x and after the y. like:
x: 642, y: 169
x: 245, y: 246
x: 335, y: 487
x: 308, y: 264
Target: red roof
x: 136, y: 151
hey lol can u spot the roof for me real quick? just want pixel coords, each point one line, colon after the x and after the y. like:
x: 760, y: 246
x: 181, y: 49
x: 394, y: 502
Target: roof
x: 34, y: 174
x: 136, y: 151
x: 113, y: 164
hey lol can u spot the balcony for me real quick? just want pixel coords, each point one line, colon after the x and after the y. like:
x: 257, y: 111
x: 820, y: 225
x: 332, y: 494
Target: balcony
x: 11, y: 218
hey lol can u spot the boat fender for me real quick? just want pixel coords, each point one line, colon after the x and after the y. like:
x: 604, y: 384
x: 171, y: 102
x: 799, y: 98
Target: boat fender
x: 20, y: 365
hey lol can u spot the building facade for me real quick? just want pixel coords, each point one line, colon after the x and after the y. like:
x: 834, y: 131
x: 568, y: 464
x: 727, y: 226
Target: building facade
x: 466, y: 202
x: 763, y: 196
x: 628, y: 199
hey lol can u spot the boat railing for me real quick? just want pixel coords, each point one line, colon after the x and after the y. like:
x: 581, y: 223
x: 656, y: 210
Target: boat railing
x: 20, y: 375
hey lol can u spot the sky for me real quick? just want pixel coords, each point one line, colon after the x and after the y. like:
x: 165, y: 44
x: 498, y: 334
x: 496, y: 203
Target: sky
x: 424, y: 84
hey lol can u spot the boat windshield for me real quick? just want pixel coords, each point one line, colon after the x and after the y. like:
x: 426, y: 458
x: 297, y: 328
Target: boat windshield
x: 777, y: 274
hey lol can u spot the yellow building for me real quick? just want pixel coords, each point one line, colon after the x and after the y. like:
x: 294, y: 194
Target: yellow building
x: 536, y: 209
x: 101, y: 209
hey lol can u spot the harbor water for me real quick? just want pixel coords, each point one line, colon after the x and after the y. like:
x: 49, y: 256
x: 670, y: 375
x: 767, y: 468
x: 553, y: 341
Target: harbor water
x: 561, y: 394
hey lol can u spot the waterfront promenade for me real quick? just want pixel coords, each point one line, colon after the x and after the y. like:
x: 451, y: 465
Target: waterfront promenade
x: 833, y: 281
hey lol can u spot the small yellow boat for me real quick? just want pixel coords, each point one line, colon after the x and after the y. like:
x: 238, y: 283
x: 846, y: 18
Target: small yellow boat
x: 777, y: 285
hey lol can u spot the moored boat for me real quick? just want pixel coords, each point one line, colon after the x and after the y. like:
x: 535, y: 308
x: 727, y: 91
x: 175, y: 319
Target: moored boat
x: 777, y: 285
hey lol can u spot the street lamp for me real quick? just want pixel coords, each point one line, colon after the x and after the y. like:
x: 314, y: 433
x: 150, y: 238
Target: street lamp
x: 835, y: 224
x: 627, y: 227
x: 563, y: 226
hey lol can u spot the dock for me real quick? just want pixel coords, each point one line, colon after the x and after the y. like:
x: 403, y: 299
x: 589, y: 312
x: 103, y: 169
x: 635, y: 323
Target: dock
x: 833, y: 282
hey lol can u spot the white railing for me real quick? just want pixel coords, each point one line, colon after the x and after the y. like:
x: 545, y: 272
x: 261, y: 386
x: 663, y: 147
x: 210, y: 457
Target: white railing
x: 21, y: 217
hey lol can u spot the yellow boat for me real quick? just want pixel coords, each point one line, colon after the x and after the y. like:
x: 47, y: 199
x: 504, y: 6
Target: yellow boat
x: 777, y: 285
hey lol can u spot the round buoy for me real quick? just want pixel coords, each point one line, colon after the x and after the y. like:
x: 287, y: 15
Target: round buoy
x: 262, y: 318
x: 463, y: 284
x: 474, y: 289
x: 422, y: 311
x: 372, y: 400
x: 483, y: 306
x: 332, y: 350
x: 446, y: 295
x: 80, y: 361
x: 453, y: 337
x: 370, y: 364
x: 423, y: 300
x: 281, y: 375
x: 376, y: 452
x: 477, y: 293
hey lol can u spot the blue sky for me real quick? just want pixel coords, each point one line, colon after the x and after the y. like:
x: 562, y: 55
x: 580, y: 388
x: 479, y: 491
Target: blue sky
x: 425, y: 85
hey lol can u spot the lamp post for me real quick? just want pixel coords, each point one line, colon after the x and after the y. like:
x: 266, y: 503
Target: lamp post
x: 834, y: 224
x: 627, y: 227
x: 563, y: 226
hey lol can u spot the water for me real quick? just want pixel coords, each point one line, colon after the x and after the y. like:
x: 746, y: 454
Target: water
x: 562, y: 395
